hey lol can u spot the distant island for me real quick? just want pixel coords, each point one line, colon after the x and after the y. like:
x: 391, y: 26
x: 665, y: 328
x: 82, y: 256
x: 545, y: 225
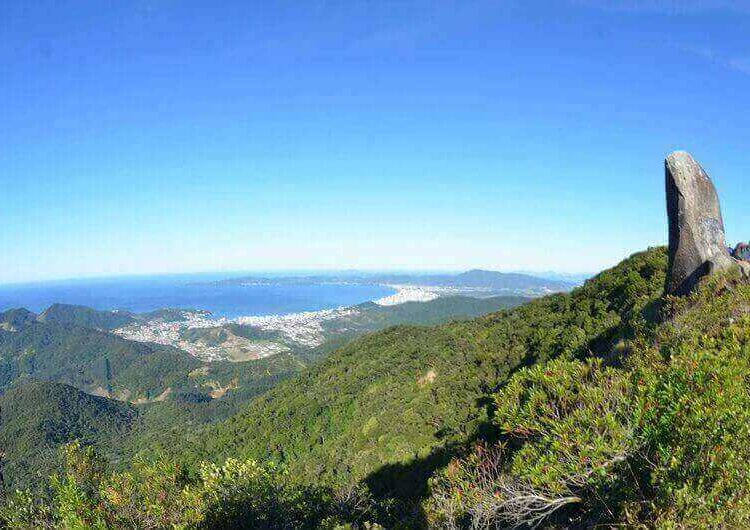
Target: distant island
x: 476, y: 282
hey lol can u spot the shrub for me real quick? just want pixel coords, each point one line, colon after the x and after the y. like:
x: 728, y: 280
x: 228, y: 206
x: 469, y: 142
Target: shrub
x: 247, y: 495
x: 663, y: 440
x: 567, y: 432
x: 159, y: 494
x: 696, y: 425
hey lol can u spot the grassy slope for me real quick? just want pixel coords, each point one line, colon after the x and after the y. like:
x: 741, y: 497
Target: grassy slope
x: 388, y: 403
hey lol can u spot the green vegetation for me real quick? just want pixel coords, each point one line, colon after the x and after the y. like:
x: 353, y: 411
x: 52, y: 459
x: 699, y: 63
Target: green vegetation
x: 160, y: 495
x: 373, y: 317
x: 608, y: 406
x: 659, y: 437
x: 388, y: 408
x: 105, y: 364
x: 77, y: 315
x: 367, y: 317
x: 173, y: 391
x: 15, y: 319
x: 38, y: 417
x: 91, y: 360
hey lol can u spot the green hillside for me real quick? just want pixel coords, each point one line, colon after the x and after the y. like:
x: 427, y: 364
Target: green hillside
x: 654, y: 435
x: 373, y: 317
x: 37, y: 417
x: 15, y: 319
x: 386, y: 406
x: 105, y: 364
x: 90, y: 360
x: 391, y: 409
x: 611, y: 406
x: 86, y: 317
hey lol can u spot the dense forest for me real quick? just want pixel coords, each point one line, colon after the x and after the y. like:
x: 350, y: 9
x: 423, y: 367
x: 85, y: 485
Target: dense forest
x: 609, y: 406
x: 171, y: 392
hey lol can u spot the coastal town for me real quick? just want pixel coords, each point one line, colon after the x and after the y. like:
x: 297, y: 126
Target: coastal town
x: 408, y: 293
x: 301, y: 330
x: 295, y: 330
x: 170, y: 331
x: 245, y: 338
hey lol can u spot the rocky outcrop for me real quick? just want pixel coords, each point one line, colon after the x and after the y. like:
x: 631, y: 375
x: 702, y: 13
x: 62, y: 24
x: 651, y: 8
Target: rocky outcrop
x: 696, y: 230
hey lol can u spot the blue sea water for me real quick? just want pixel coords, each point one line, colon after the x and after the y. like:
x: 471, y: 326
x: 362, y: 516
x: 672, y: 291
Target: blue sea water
x: 142, y: 294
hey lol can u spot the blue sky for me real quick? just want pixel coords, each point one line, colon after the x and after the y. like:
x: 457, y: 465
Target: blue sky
x: 176, y: 136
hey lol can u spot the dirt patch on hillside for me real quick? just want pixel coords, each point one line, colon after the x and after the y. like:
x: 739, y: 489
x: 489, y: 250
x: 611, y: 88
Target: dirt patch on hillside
x: 161, y: 397
x: 427, y: 378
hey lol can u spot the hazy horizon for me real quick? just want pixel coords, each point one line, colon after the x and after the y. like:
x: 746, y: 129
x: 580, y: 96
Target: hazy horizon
x: 286, y: 273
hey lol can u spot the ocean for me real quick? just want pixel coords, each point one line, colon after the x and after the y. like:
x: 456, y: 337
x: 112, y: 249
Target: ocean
x: 147, y: 293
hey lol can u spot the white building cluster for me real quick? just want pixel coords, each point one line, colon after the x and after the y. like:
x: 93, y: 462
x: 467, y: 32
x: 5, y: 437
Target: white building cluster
x: 302, y: 329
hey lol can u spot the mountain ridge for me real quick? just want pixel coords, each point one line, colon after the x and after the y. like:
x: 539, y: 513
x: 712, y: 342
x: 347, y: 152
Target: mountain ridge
x: 475, y: 278
x: 381, y: 374
x: 611, y: 405
x: 38, y: 417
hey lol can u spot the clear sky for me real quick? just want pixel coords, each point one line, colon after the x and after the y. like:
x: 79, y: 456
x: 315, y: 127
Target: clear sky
x: 179, y: 136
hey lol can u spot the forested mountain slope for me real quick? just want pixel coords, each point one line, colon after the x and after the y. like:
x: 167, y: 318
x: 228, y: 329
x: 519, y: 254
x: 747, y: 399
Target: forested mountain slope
x: 37, y: 417
x: 654, y: 435
x: 104, y: 364
x: 91, y: 360
x: 612, y: 406
x: 373, y: 317
x: 15, y: 319
x: 390, y: 403
x: 174, y: 392
x: 86, y: 317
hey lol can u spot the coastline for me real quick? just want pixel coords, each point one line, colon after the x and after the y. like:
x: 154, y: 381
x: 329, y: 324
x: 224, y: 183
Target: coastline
x: 301, y: 329
x: 408, y: 293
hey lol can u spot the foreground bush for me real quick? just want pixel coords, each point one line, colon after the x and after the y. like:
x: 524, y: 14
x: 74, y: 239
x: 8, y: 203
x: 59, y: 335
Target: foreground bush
x: 661, y: 440
x: 567, y: 432
x: 159, y: 494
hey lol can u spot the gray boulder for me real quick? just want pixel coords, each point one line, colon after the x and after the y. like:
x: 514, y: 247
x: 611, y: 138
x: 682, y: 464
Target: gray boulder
x: 696, y: 229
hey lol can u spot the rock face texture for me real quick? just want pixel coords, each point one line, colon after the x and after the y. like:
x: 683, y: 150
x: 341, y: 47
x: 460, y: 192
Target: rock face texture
x: 696, y: 229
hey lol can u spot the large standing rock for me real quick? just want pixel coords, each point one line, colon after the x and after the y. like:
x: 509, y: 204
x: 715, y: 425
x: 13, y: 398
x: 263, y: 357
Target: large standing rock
x: 696, y: 229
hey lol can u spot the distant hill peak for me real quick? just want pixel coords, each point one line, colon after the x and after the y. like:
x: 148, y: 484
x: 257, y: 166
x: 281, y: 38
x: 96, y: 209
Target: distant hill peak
x: 484, y: 273
x: 85, y: 316
x: 16, y: 319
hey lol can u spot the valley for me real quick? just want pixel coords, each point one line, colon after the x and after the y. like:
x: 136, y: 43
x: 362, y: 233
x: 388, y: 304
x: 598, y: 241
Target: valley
x: 174, y: 369
x: 255, y: 337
